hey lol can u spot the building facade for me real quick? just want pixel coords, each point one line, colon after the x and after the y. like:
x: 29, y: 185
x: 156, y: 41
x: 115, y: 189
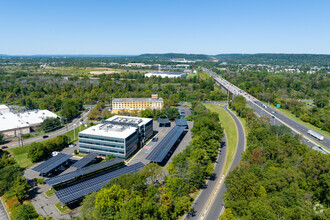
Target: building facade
x: 136, y: 104
x: 120, y: 136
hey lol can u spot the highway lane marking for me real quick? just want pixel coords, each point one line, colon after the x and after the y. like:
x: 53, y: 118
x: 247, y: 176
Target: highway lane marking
x: 286, y: 119
x: 207, y: 207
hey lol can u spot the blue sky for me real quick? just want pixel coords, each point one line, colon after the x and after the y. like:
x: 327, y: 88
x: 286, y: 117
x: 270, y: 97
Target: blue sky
x: 128, y: 27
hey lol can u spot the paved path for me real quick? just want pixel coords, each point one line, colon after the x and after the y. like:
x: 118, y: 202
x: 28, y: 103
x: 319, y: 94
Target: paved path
x: 3, y: 213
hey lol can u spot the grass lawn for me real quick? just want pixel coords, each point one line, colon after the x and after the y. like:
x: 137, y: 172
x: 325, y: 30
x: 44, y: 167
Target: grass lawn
x: 20, y: 153
x: 203, y: 75
x: 63, y: 210
x: 50, y: 192
x: 228, y: 124
x: 292, y: 116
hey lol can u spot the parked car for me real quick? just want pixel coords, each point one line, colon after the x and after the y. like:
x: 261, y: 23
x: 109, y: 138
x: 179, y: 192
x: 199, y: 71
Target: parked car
x: 45, y: 136
x: 4, y: 147
x: 155, y: 139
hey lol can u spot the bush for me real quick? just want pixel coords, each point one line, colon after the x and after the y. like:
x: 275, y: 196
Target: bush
x: 76, y: 151
x: 40, y: 181
x: 24, y: 212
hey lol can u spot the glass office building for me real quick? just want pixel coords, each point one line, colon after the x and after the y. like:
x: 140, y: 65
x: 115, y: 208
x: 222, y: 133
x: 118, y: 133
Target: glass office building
x: 119, y: 136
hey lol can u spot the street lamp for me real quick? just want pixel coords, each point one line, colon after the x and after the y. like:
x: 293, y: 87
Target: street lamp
x: 74, y: 132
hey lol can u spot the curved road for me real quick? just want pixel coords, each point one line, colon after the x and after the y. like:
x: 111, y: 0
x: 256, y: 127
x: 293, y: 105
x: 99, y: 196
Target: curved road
x: 209, y: 204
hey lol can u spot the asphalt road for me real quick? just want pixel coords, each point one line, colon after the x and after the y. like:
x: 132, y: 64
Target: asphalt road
x: 218, y: 204
x: 259, y: 108
x: 209, y: 204
x: 206, y: 193
x: 69, y: 127
x: 3, y: 213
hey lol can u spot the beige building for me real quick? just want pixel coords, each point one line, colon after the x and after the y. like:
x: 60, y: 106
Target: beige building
x: 136, y: 104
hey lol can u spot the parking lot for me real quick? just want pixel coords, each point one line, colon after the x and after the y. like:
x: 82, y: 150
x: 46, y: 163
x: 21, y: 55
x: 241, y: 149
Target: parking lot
x: 161, y: 132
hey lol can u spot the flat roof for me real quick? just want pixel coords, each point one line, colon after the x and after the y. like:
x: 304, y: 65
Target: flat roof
x: 2, y: 106
x: 9, y: 121
x: 137, y: 100
x: 117, y: 130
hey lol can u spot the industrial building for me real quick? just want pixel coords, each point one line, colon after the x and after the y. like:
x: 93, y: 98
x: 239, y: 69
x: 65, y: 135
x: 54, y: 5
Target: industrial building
x: 136, y: 104
x: 4, y: 109
x: 13, y: 124
x: 118, y: 135
x: 165, y: 74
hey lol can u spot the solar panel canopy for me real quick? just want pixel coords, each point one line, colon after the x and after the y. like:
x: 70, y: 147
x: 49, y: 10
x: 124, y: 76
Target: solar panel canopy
x: 161, y: 150
x: 84, y: 161
x: 84, y: 188
x: 55, y: 164
x: 83, y: 171
x: 181, y: 122
x: 51, y: 163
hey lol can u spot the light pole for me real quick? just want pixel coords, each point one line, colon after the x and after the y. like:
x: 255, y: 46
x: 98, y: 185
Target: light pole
x: 74, y: 132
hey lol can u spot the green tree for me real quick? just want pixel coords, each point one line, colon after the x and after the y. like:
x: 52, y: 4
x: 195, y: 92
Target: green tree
x: 50, y: 124
x: 19, y: 189
x: 173, y: 113
x: 25, y: 212
x: 2, y: 140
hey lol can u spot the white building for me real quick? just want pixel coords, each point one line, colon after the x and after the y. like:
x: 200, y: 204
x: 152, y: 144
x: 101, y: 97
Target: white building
x: 165, y: 74
x: 119, y: 135
x: 4, y: 109
x: 12, y: 124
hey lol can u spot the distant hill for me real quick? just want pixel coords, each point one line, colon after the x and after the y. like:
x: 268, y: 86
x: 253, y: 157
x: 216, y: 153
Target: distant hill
x: 168, y: 56
x: 268, y: 58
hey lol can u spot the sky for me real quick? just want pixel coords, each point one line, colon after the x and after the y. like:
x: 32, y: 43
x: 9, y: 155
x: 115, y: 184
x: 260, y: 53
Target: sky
x: 131, y: 27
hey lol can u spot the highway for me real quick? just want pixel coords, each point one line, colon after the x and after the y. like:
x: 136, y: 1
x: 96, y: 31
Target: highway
x: 74, y: 124
x: 274, y: 116
x: 209, y: 204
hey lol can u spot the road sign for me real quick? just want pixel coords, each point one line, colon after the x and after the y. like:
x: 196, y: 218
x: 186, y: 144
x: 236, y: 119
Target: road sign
x: 278, y: 105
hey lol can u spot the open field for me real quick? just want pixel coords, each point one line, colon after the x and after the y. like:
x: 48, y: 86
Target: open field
x: 228, y: 124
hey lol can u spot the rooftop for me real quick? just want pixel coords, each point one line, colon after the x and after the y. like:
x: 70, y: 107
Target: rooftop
x: 137, y: 99
x: 10, y: 120
x: 116, y: 127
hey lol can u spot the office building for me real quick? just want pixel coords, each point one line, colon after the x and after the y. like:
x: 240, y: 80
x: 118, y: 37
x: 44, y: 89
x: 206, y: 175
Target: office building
x: 119, y: 135
x: 136, y: 104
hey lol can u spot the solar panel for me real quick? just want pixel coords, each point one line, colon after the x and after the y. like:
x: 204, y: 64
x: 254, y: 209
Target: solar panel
x: 161, y: 150
x: 163, y: 120
x: 48, y: 162
x: 181, y: 122
x: 55, y: 164
x: 83, y: 171
x: 84, y: 188
x: 84, y: 161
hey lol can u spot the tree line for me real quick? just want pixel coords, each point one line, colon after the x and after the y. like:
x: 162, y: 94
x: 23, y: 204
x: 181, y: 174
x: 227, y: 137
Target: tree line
x: 155, y: 193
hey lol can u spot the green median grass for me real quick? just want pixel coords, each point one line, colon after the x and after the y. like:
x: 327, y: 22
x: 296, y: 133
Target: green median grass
x: 292, y: 116
x: 228, y: 124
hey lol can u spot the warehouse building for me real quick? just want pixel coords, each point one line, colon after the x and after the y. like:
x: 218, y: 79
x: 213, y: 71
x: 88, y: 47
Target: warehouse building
x: 136, y: 104
x: 119, y: 135
x: 4, y: 109
x: 13, y: 124
x: 165, y: 74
